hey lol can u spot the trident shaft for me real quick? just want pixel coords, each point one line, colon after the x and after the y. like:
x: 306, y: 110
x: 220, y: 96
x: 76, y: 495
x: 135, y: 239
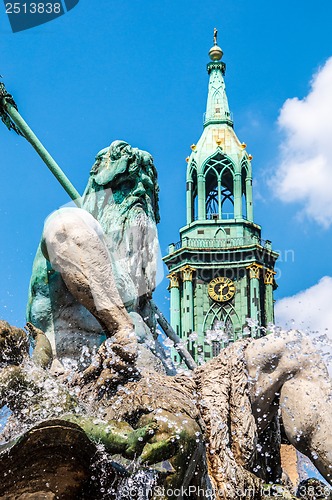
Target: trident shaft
x: 13, y: 120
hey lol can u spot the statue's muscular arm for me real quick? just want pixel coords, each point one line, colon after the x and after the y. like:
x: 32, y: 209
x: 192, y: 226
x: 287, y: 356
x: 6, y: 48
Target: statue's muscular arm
x: 74, y: 245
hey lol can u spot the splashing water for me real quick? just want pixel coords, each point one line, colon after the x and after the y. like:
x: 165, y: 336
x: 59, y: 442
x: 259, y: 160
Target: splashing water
x: 115, y: 478
x: 139, y: 486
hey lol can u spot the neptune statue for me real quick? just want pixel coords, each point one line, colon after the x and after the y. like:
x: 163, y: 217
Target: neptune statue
x: 98, y: 366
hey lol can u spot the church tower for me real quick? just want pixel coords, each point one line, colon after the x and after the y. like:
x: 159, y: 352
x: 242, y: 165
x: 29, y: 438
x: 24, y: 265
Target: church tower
x: 221, y: 272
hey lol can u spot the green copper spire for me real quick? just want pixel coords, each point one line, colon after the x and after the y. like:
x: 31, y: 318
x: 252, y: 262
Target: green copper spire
x: 221, y: 272
x: 217, y: 109
x: 219, y: 175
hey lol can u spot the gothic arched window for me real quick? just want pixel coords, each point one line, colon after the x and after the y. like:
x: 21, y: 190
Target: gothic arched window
x: 219, y: 188
x: 212, y: 195
x: 220, y: 324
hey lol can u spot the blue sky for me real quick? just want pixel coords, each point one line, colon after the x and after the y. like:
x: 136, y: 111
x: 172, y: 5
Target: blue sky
x: 136, y: 71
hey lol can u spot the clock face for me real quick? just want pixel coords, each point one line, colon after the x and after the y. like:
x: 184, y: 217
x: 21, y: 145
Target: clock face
x: 221, y: 289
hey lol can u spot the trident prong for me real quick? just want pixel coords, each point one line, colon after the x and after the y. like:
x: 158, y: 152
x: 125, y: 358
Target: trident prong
x: 13, y: 120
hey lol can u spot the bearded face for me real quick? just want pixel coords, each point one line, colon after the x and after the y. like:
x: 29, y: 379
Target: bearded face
x: 123, y: 196
x: 126, y: 176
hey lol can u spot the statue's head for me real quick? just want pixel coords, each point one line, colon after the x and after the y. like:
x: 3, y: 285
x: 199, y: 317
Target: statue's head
x: 130, y: 174
x: 122, y: 194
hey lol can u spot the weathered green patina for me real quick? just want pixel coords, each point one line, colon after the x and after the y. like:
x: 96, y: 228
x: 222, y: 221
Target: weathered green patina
x: 13, y: 120
x: 211, y: 427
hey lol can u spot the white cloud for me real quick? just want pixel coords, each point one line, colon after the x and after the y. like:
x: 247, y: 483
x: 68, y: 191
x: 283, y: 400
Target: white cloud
x: 305, y: 170
x: 310, y: 311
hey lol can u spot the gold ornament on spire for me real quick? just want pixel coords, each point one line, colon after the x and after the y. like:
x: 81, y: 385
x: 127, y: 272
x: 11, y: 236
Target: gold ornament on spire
x: 215, y: 52
x: 215, y: 36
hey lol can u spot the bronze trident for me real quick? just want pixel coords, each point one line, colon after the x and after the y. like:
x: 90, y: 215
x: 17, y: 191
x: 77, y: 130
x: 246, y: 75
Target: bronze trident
x: 13, y: 120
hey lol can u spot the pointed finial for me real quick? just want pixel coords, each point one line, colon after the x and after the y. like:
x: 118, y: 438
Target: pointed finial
x: 215, y: 36
x: 215, y: 52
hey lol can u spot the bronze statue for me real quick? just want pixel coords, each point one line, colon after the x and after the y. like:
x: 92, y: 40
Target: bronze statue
x: 92, y: 284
